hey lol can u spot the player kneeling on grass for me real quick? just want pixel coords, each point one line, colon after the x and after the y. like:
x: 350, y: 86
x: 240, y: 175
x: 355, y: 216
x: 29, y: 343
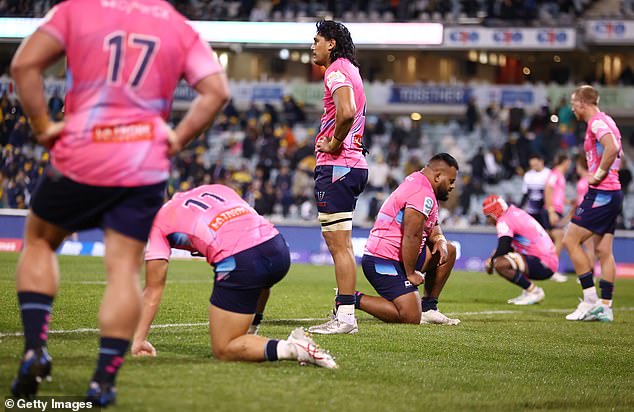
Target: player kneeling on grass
x: 396, y: 253
x: 248, y: 255
x: 524, y: 251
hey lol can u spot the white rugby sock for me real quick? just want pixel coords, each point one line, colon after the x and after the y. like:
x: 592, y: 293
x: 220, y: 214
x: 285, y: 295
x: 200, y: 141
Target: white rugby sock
x: 590, y: 295
x: 345, y: 313
x: 286, y: 350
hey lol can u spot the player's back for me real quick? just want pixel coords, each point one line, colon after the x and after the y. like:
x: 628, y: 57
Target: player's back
x: 215, y: 221
x: 125, y: 58
x: 529, y: 237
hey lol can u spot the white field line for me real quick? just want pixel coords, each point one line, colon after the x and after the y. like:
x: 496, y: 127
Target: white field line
x: 103, y: 282
x: 186, y: 325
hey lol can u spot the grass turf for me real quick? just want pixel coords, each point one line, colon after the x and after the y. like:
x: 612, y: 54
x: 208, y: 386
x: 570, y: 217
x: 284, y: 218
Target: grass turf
x: 529, y: 358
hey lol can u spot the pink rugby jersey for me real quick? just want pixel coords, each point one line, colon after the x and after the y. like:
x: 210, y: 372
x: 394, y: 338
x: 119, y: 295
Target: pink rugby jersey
x: 386, y: 236
x: 599, y: 126
x: 582, y: 189
x: 557, y: 182
x: 212, y: 220
x: 529, y: 237
x: 125, y: 58
x: 342, y: 73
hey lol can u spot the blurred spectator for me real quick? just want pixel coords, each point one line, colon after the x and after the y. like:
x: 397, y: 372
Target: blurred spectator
x: 515, y: 154
x: 55, y: 106
x: 472, y: 116
x: 626, y: 77
x: 284, y: 184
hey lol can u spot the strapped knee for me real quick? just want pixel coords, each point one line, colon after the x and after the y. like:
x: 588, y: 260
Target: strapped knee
x: 516, y: 260
x: 335, y: 221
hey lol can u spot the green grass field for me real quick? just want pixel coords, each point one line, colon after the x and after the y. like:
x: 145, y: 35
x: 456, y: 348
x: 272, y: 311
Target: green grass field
x: 501, y: 357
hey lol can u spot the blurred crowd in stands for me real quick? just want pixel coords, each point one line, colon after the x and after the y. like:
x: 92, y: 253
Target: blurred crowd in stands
x: 487, y: 11
x: 266, y: 154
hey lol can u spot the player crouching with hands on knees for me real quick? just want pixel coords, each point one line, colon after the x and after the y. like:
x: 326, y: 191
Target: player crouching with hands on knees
x: 397, y: 255
x: 249, y: 256
x: 524, y: 252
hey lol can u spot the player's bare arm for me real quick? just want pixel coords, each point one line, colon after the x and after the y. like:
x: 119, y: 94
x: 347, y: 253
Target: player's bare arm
x: 155, y: 278
x: 439, y: 242
x: 346, y: 109
x: 34, y: 55
x: 413, y: 226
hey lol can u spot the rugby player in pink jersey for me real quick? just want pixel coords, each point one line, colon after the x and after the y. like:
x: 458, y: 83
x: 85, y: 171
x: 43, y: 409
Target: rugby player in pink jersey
x: 596, y: 216
x: 406, y: 247
x: 581, y: 190
x: 555, y: 203
x: 524, y: 251
x: 109, y: 158
x: 341, y: 172
x: 248, y: 255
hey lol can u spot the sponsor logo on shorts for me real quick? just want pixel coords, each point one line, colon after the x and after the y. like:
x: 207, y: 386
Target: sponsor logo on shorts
x: 578, y: 213
x: 132, y: 132
x: 408, y: 284
x: 320, y: 196
x: 226, y: 216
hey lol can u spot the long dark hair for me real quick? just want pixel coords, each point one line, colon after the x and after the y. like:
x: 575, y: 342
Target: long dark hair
x: 330, y: 30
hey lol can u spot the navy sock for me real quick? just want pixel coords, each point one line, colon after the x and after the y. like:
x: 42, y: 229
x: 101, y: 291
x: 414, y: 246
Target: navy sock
x: 521, y: 280
x: 344, y: 300
x: 357, y: 299
x: 257, y: 319
x: 270, y: 351
x: 586, y: 280
x: 111, y: 352
x: 607, y: 289
x: 429, y: 303
x: 36, y: 314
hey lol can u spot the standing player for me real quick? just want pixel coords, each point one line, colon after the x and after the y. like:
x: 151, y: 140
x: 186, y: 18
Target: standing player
x: 341, y: 172
x: 533, y: 188
x: 524, y: 251
x: 109, y: 158
x: 396, y: 252
x: 248, y: 255
x: 596, y: 216
x: 582, y: 189
x: 555, y: 202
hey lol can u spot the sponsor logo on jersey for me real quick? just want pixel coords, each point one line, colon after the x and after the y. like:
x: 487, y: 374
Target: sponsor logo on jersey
x: 224, y: 217
x: 132, y: 132
x: 335, y: 77
x: 428, y: 205
x: 598, y: 125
